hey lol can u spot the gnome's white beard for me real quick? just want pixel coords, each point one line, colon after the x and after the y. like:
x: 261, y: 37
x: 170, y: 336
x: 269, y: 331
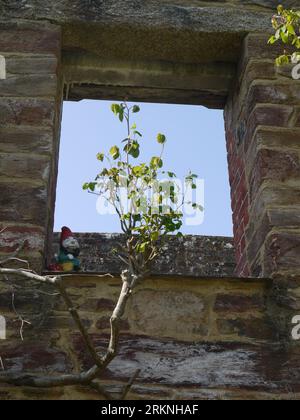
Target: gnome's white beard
x: 71, y: 245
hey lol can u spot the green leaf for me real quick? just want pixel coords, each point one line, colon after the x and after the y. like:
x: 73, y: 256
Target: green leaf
x: 156, y: 162
x: 154, y: 236
x: 135, y: 109
x: 280, y: 9
x: 284, y: 37
x: 161, y: 138
x: 100, y: 156
x: 133, y: 149
x: 115, y: 152
x: 283, y: 59
x: 290, y: 29
x: 115, y: 108
x: 272, y: 40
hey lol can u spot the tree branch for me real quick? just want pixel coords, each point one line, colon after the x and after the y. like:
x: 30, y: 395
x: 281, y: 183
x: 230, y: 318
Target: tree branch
x: 87, y: 377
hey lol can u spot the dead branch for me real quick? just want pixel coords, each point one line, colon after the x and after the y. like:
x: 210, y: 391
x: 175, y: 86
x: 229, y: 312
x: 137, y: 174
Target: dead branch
x: 128, y: 387
x: 101, y: 362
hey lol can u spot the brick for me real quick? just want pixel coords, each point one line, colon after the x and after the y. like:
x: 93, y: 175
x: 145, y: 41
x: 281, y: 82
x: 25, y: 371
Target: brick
x: 26, y: 112
x: 266, y: 115
x: 282, y: 251
x: 273, y: 165
x: 285, y: 138
x: 262, y: 92
x: 274, y: 195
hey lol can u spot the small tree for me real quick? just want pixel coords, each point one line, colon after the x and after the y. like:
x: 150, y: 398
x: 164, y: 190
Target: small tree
x: 153, y: 210
x: 149, y: 208
x: 286, y: 24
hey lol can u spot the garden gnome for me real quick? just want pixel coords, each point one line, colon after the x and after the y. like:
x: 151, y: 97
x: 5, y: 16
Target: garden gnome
x: 69, y: 251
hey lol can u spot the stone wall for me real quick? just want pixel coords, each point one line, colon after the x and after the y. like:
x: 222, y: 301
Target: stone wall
x: 29, y: 136
x: 188, y: 256
x: 262, y: 127
x: 191, y: 338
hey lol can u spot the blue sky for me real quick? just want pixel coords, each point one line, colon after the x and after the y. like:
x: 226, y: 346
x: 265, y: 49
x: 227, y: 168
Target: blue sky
x: 196, y: 141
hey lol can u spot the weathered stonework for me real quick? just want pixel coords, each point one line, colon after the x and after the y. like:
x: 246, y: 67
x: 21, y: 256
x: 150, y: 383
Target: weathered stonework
x: 29, y: 135
x: 195, y: 338
x: 192, y: 338
x: 189, y: 256
x: 264, y: 163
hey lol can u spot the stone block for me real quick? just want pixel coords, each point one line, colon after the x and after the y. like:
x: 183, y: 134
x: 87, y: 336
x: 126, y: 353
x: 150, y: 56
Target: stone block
x: 23, y: 203
x: 29, y: 37
x: 29, y: 86
x: 25, y: 112
x: 20, y: 166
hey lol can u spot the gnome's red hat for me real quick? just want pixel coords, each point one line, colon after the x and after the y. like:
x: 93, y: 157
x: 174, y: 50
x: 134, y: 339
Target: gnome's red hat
x: 65, y: 233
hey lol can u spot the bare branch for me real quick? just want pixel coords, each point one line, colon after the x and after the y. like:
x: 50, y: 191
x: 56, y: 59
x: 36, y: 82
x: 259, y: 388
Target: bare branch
x: 129, y: 384
x: 87, y: 377
x: 29, y: 274
x: 74, y: 313
x: 95, y: 385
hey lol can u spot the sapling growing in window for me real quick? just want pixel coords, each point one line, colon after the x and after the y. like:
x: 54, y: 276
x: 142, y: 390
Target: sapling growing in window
x: 146, y: 198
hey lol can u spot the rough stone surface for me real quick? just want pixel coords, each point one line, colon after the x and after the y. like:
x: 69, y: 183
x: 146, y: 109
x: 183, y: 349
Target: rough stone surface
x: 29, y: 128
x: 263, y: 154
x: 208, y: 338
x: 191, y: 338
x: 188, y: 256
x: 149, y: 65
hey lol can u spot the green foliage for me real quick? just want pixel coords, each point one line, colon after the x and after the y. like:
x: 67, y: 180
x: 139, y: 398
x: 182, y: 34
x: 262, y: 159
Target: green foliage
x: 286, y: 24
x: 148, y: 218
